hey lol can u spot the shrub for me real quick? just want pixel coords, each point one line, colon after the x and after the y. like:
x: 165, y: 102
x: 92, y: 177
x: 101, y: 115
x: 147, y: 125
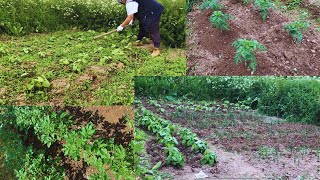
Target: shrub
x: 296, y: 100
x: 190, y: 4
x: 173, y: 23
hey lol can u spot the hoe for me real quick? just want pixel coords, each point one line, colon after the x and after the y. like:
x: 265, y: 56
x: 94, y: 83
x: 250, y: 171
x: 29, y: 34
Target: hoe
x: 105, y: 34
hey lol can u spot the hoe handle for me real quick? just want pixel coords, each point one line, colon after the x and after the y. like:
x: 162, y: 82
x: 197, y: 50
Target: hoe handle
x: 104, y: 34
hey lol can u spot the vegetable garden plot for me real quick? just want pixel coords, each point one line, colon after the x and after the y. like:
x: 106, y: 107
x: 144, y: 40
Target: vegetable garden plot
x: 70, y: 68
x: 263, y: 146
x: 275, y: 47
x: 67, y: 142
x: 169, y: 147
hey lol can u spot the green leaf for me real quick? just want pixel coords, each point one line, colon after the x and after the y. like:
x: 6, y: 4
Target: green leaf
x: 157, y: 166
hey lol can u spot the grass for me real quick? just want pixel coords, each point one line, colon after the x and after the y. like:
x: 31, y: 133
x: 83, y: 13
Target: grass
x: 81, y: 71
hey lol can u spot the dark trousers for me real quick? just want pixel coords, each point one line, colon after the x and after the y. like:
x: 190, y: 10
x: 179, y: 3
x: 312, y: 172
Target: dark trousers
x: 151, y: 26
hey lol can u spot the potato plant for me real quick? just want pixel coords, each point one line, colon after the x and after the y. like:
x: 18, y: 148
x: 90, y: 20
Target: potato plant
x: 264, y: 7
x: 53, y: 127
x: 296, y: 29
x: 220, y: 20
x: 246, y: 51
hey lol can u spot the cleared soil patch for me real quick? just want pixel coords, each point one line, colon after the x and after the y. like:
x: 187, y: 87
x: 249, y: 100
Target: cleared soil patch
x: 248, y: 144
x: 210, y: 51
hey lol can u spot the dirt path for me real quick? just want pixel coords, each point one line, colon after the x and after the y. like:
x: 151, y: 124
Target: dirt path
x: 239, y: 165
x: 210, y: 51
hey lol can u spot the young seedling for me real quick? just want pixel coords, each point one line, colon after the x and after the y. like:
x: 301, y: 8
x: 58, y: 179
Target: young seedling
x: 38, y: 83
x: 220, y: 20
x: 246, y: 50
x: 264, y: 6
x: 296, y: 29
x: 212, y: 4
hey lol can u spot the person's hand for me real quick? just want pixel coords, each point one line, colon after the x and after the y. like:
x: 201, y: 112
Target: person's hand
x: 120, y: 28
x: 131, y: 22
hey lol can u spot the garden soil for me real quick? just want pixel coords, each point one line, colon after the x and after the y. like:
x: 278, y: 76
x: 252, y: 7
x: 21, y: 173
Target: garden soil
x: 210, y: 51
x: 241, y: 150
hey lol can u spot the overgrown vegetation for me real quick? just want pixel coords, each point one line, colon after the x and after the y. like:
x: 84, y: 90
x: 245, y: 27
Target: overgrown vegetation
x: 33, y: 16
x: 68, y: 67
x: 54, y: 139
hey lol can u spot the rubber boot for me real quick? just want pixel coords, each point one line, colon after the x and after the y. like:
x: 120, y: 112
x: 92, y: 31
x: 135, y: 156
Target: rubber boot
x: 155, y: 52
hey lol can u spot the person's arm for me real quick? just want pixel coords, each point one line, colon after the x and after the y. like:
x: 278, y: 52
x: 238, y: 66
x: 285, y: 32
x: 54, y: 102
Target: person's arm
x: 127, y: 21
x: 131, y: 8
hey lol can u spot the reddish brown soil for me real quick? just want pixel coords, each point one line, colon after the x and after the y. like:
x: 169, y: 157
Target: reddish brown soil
x: 210, y: 51
x: 313, y: 7
x: 240, y: 144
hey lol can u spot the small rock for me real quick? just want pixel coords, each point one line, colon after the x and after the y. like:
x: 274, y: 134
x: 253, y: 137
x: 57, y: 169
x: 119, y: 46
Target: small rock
x: 201, y: 175
x: 288, y: 54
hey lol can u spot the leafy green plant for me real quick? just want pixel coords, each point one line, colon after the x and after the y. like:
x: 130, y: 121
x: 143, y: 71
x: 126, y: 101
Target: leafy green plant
x: 38, y: 167
x: 3, y: 50
x: 264, y: 7
x: 245, y: 51
x: 209, y: 157
x: 168, y: 140
x: 187, y: 137
x: 174, y: 156
x: 296, y: 29
x: 38, y: 83
x: 220, y: 20
x: 212, y: 4
x: 199, y: 146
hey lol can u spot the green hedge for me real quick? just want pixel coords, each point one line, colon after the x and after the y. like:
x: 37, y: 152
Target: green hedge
x: 292, y: 98
x: 21, y: 17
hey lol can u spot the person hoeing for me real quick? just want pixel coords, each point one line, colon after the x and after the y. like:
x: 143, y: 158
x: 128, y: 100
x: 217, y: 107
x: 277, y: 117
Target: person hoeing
x: 148, y: 13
